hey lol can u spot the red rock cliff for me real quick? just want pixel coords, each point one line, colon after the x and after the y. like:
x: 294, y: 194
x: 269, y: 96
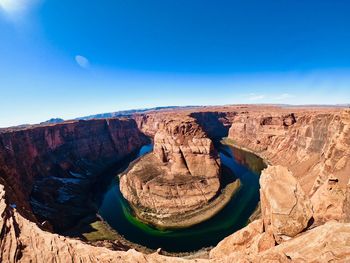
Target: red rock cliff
x: 313, y: 144
x: 50, y: 158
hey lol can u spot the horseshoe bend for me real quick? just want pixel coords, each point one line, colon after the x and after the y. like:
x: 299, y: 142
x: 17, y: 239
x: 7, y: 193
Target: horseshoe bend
x: 243, y: 183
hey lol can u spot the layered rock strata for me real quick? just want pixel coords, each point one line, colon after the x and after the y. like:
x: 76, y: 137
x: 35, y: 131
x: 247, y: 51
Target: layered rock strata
x: 24, y: 241
x: 180, y: 176
x: 313, y: 144
x: 55, y: 166
x: 283, y: 234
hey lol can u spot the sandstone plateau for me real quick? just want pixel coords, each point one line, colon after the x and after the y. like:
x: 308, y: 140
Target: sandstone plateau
x: 304, y: 191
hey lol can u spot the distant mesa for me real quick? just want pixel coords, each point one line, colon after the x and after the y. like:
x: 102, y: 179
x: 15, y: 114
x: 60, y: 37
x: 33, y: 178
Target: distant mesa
x: 53, y: 120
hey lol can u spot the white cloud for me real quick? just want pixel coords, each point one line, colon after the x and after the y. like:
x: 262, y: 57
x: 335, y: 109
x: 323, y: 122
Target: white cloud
x: 268, y: 98
x: 283, y: 96
x: 82, y: 61
x: 253, y: 96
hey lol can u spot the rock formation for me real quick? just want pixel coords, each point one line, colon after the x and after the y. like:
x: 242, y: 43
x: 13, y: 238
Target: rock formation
x: 307, y: 149
x: 24, y: 241
x: 250, y: 240
x: 326, y: 243
x: 55, y: 166
x: 286, y: 210
x: 313, y: 144
x: 181, y: 175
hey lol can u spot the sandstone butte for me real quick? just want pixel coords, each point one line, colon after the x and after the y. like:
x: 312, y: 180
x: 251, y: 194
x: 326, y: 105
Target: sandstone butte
x: 304, y: 191
x: 178, y: 179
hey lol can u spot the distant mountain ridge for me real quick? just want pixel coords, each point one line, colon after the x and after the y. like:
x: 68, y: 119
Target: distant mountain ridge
x: 126, y: 113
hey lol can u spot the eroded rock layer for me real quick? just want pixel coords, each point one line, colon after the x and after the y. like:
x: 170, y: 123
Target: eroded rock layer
x: 311, y: 145
x: 286, y: 214
x: 55, y: 166
x: 181, y: 175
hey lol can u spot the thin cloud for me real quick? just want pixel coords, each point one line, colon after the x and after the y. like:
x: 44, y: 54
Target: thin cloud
x: 283, y: 96
x: 82, y: 61
x: 254, y: 96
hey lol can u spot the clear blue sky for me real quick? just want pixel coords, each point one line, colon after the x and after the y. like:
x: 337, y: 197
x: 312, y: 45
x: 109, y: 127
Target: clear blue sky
x: 73, y: 58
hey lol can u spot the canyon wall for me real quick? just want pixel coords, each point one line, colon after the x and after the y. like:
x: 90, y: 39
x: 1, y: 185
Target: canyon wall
x: 313, y: 144
x: 285, y: 233
x: 54, y: 166
x: 304, y: 191
x: 214, y: 122
x: 23, y: 241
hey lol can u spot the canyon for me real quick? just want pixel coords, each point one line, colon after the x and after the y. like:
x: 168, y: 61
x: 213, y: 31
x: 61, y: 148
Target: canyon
x: 47, y: 173
x: 174, y: 184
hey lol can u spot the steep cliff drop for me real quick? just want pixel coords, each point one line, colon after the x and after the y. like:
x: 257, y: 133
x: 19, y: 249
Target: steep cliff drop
x: 51, y: 169
x: 313, y: 143
x: 306, y: 183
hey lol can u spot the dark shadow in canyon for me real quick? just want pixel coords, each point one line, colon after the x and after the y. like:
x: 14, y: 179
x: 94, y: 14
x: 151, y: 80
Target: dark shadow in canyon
x: 64, y: 201
x: 215, y: 124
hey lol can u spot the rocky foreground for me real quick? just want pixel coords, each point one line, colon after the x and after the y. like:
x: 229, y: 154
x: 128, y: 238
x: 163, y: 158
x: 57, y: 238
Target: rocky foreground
x: 304, y: 192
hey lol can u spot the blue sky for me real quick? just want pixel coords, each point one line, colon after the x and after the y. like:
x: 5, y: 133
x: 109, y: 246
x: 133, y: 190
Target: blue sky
x: 74, y: 58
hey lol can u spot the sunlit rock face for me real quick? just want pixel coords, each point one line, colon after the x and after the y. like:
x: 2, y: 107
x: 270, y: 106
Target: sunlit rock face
x: 286, y: 210
x: 250, y: 240
x: 313, y: 144
x: 181, y: 175
x: 185, y: 149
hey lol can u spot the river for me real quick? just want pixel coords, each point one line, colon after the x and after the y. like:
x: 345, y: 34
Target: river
x: 246, y: 166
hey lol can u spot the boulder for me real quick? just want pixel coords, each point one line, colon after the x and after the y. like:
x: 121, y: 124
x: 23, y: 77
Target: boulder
x: 286, y: 210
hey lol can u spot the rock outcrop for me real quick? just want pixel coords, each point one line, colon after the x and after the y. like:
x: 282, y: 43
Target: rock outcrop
x: 55, y: 166
x: 185, y: 149
x: 286, y: 210
x: 250, y: 240
x: 313, y: 144
x: 23, y: 241
x: 325, y: 243
x: 331, y: 202
x: 180, y: 176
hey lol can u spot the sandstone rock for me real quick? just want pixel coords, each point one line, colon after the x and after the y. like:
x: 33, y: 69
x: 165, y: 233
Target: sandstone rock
x: 250, y: 240
x: 286, y: 210
x: 23, y: 241
x: 312, y: 143
x: 330, y: 202
x: 185, y: 149
x: 327, y: 243
x: 54, y: 164
x: 146, y: 185
x: 180, y: 176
